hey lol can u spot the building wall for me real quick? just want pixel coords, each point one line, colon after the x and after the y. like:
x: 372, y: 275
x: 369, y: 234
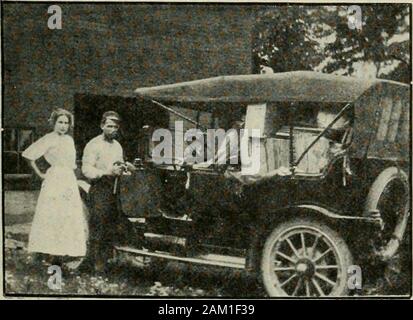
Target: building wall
x: 112, y: 49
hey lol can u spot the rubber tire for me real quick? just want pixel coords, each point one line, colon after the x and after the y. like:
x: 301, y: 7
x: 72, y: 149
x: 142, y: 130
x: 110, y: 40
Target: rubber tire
x: 341, y: 249
x: 376, y: 191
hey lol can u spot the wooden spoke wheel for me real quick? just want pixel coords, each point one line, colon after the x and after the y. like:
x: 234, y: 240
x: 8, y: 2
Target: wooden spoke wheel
x: 305, y: 258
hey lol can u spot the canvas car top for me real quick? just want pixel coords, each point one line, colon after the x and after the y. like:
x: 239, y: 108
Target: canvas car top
x: 286, y: 86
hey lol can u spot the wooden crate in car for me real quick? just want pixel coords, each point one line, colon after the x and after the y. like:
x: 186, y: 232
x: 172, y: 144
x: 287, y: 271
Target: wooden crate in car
x: 277, y: 151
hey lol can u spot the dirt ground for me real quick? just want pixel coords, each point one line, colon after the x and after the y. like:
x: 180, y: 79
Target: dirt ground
x: 129, y: 276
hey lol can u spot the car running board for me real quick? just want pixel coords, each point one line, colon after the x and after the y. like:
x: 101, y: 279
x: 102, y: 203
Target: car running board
x: 206, y: 259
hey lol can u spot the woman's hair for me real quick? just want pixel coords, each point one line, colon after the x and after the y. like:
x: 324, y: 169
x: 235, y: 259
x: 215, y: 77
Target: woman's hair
x: 56, y: 113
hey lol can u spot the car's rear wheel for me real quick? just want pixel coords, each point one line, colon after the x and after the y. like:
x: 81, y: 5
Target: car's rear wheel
x: 389, y: 195
x: 305, y: 258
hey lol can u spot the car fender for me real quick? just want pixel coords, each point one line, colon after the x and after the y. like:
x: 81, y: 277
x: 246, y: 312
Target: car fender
x: 319, y: 211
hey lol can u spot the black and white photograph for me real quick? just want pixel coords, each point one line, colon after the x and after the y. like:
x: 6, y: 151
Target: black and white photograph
x: 196, y: 150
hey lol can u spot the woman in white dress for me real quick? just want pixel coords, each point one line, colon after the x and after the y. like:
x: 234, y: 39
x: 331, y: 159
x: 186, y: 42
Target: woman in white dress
x: 59, y: 226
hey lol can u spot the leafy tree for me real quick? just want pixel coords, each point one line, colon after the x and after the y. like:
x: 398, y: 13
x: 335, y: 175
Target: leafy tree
x: 282, y: 40
x: 375, y: 42
x: 288, y: 38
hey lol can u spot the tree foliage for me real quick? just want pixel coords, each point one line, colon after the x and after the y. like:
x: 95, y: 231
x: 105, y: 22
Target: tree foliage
x: 282, y: 40
x: 290, y: 38
x: 373, y: 42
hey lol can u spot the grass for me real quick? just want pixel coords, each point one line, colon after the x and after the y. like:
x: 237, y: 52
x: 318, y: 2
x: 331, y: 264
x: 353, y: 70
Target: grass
x: 128, y: 277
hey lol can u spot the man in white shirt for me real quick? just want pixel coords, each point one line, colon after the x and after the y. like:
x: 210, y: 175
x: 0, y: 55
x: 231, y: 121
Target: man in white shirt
x: 103, y: 163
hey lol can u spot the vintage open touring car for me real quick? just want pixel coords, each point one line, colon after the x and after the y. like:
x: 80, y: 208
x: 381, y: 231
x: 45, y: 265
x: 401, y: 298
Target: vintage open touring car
x: 332, y: 190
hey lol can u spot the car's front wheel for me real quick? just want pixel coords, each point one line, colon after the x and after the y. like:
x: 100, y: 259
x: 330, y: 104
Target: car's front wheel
x: 306, y: 258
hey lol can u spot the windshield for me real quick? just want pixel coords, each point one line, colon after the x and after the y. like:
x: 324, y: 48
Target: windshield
x: 184, y: 120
